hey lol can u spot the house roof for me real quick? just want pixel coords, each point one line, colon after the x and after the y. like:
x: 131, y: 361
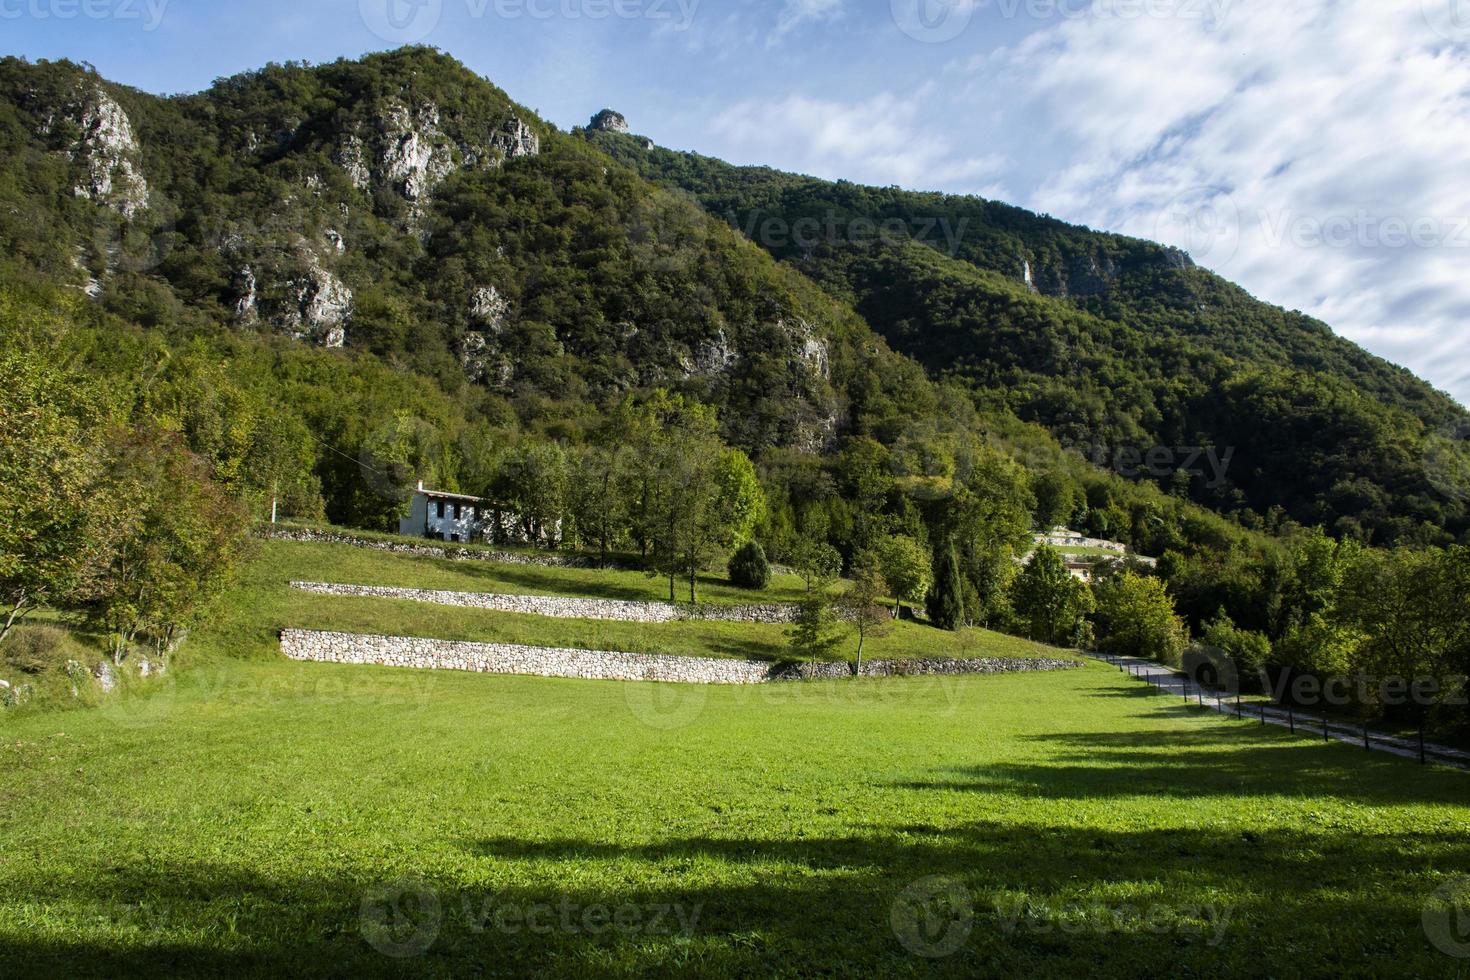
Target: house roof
x: 442, y: 495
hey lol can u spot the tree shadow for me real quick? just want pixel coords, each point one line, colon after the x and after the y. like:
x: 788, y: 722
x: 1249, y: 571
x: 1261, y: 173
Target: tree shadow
x: 1226, y: 759
x: 1038, y: 899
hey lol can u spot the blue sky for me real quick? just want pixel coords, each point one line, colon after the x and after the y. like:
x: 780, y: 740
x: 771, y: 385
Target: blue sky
x: 1316, y: 151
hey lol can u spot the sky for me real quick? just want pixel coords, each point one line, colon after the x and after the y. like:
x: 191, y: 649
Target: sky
x: 1317, y: 152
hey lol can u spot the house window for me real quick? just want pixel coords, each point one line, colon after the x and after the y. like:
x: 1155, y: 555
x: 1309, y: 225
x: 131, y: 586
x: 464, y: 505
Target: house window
x: 458, y: 508
x: 441, y: 510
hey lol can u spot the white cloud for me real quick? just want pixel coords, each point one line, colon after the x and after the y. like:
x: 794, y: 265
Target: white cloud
x: 1316, y: 152
x: 795, y: 13
x: 876, y: 141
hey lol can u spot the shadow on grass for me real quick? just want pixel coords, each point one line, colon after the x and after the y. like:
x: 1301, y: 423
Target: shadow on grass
x: 1038, y: 900
x: 1230, y: 759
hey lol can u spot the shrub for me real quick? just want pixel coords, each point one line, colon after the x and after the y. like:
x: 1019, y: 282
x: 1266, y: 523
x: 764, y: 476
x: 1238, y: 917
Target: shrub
x: 36, y: 649
x: 749, y: 568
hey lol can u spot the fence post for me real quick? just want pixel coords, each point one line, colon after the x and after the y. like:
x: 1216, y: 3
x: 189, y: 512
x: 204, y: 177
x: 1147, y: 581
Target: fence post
x: 1325, y: 737
x: 1291, y: 719
x: 1421, y: 741
x: 1366, y: 746
x: 1263, y: 714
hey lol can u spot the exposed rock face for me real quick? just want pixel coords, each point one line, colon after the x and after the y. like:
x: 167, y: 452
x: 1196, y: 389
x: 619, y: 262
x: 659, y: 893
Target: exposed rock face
x: 609, y: 122
x: 351, y: 156
x: 711, y: 357
x: 488, y: 309
x: 416, y: 156
x: 410, y: 151
x: 516, y: 139
x: 246, y: 310
x: 323, y: 304
x: 108, y: 153
x: 308, y: 302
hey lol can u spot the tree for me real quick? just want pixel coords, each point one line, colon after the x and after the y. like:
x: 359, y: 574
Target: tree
x: 48, y: 481
x: 815, y: 633
x: 172, y: 539
x: 817, y: 562
x: 1048, y: 599
x: 908, y: 569
x: 863, y: 603
x: 749, y: 568
x: 946, y: 603
x: 532, y: 482
x: 1137, y: 618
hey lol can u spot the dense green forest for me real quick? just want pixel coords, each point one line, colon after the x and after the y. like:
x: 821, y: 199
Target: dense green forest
x: 1116, y: 345
x: 315, y: 286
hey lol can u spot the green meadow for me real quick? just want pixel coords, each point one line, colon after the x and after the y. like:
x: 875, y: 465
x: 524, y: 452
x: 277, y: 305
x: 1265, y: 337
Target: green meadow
x: 251, y: 816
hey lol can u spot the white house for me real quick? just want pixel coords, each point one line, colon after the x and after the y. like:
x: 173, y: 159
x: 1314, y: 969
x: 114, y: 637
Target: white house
x: 460, y: 517
x: 447, y: 516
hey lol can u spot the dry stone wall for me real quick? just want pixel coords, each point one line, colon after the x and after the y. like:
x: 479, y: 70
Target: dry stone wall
x: 422, y: 550
x: 564, y: 607
x: 508, y: 658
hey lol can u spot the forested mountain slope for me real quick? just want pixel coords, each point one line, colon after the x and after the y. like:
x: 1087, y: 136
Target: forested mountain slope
x: 1116, y: 345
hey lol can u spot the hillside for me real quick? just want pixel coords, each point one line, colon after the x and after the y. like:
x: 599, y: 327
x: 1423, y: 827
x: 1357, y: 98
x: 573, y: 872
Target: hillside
x: 1116, y: 345
x: 394, y: 272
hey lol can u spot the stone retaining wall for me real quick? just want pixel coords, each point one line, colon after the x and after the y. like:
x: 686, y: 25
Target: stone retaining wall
x: 508, y: 658
x: 418, y: 549
x: 565, y: 607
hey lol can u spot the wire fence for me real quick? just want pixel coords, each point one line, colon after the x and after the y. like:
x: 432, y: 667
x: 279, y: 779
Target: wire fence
x: 1172, y: 683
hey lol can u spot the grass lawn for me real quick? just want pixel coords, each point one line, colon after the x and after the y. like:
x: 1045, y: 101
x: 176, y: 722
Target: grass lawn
x: 263, y: 603
x: 250, y: 817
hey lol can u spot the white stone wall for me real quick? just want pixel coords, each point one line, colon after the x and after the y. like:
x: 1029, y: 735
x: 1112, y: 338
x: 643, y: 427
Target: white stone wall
x: 420, y: 548
x: 509, y: 658
x: 563, y: 607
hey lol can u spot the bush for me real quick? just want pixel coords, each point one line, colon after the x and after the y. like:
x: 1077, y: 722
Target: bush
x: 749, y: 568
x: 36, y: 649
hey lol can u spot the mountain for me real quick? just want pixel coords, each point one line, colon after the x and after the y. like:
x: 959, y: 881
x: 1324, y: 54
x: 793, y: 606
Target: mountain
x: 1115, y: 345
x: 389, y: 257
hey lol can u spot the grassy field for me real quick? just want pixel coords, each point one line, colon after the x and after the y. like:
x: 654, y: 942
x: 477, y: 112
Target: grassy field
x: 263, y: 603
x: 248, y: 815
x: 269, y: 818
